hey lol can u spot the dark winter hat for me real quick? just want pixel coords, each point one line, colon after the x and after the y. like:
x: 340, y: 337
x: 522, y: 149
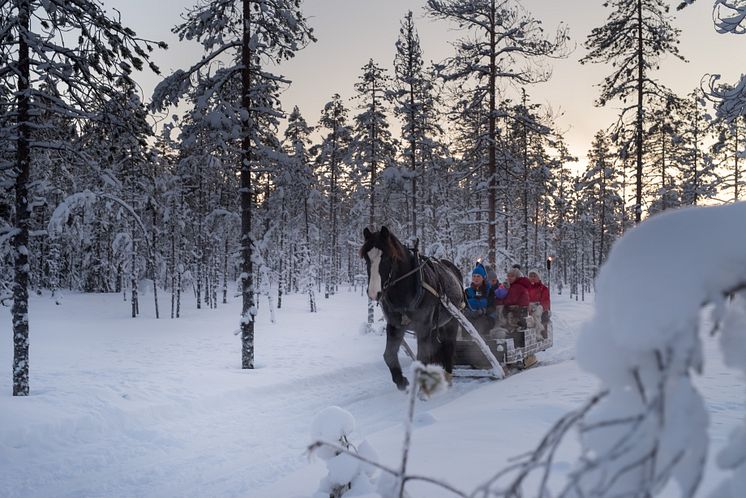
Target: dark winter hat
x: 491, y: 275
x: 479, y: 270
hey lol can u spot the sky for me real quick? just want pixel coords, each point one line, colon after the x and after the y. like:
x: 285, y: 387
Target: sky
x: 350, y: 32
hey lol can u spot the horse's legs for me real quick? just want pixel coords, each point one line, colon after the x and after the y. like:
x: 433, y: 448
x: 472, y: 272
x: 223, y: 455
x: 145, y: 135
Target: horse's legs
x: 448, y: 345
x: 425, y: 345
x: 394, y: 337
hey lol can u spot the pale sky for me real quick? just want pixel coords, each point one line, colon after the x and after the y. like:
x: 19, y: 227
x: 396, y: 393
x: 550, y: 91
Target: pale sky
x: 350, y: 32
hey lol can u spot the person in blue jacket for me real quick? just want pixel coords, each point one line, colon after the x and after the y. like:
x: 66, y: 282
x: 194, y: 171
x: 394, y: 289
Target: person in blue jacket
x: 481, y: 300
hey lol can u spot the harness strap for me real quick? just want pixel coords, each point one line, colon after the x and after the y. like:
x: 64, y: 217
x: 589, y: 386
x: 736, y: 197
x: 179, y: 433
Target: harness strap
x: 400, y: 278
x: 429, y: 288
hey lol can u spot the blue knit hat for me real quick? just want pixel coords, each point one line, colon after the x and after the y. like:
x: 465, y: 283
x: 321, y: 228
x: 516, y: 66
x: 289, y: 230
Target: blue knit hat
x: 479, y: 270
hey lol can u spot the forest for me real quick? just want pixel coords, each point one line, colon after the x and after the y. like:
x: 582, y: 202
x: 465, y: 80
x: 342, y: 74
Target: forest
x: 215, y: 201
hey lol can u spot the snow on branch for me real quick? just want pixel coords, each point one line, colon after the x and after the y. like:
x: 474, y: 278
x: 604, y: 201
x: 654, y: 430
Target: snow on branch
x: 83, y: 200
x: 64, y: 210
x: 352, y: 471
x: 730, y: 16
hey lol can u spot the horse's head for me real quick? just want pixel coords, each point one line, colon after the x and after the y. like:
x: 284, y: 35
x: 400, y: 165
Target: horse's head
x: 381, y: 250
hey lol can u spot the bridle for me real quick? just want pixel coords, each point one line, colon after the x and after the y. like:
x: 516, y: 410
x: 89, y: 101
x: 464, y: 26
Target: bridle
x: 421, y: 284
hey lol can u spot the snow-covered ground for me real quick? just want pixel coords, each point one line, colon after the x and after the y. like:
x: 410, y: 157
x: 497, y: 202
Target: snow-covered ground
x: 145, y: 407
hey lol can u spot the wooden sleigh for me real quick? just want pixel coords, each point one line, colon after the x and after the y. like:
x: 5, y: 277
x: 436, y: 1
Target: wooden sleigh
x: 508, y: 347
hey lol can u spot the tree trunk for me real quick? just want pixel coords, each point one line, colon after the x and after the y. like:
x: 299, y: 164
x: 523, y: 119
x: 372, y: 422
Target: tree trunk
x: 412, y: 140
x: 153, y: 265
x: 663, y: 166
x: 225, y: 272
x: 491, y: 143
x: 20, y: 241
x: 247, y: 279
x: 696, y: 153
x: 281, y: 282
x: 638, y: 138
x: 172, y: 265
x: 524, y: 259
x: 736, y: 171
x: 133, y: 279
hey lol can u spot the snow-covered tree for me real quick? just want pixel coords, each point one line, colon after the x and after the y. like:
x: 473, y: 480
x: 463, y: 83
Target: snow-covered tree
x: 332, y: 160
x: 373, y: 147
x: 415, y: 104
x: 600, y: 184
x: 503, y: 43
x: 729, y: 155
x: 299, y: 206
x: 52, y: 75
x: 699, y: 181
x: 637, y: 34
x: 238, y: 36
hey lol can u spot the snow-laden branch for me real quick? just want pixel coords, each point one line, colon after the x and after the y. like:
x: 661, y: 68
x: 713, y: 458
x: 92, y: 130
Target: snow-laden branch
x: 648, y: 424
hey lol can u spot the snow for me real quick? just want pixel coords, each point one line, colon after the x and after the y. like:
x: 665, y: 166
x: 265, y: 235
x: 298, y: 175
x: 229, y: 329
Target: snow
x: 145, y: 407
x: 332, y: 425
x: 643, y: 343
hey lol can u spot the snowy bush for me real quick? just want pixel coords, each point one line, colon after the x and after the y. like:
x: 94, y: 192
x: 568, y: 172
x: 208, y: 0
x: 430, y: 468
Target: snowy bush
x: 352, y: 470
x: 733, y: 344
x: 348, y: 476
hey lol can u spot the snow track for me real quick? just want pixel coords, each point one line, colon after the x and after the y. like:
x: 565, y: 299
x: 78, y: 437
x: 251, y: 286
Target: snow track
x: 227, y: 444
x: 141, y: 420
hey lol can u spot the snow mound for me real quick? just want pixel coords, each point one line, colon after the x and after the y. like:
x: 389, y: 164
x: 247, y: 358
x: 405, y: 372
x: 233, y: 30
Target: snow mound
x: 332, y: 425
x: 347, y: 476
x: 643, y: 343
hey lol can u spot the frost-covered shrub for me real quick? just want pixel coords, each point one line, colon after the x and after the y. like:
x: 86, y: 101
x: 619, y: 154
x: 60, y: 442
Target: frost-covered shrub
x: 733, y: 344
x: 354, y: 471
x: 347, y: 476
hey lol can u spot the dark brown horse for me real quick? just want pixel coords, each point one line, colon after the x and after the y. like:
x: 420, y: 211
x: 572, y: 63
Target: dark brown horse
x: 408, y: 291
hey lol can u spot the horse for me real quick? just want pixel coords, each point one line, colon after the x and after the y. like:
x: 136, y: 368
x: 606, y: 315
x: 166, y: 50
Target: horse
x: 408, y: 290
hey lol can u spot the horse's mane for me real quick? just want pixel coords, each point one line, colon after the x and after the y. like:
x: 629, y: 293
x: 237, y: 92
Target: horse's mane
x: 396, y: 248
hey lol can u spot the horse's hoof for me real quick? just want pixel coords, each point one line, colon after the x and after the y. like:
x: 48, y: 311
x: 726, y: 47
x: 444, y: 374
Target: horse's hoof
x: 402, y: 386
x: 449, y: 378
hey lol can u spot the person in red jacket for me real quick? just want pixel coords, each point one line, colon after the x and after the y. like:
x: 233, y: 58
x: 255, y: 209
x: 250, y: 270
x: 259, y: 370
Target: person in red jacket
x: 538, y: 292
x: 517, y: 291
x: 516, y: 308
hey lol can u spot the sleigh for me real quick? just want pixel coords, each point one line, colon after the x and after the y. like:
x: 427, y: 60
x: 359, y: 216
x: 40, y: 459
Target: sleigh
x: 512, y: 341
x: 503, y: 349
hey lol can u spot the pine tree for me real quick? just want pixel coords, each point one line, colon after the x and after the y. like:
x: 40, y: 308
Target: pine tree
x: 600, y: 194
x: 505, y: 44
x: 638, y: 33
x: 332, y: 155
x: 414, y: 104
x: 298, y: 205
x: 253, y: 31
x: 699, y: 181
x: 373, y: 147
x: 729, y: 154
x: 67, y: 81
x: 662, y: 148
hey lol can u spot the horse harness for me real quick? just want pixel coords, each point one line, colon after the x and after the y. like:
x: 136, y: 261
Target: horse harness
x: 419, y: 263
